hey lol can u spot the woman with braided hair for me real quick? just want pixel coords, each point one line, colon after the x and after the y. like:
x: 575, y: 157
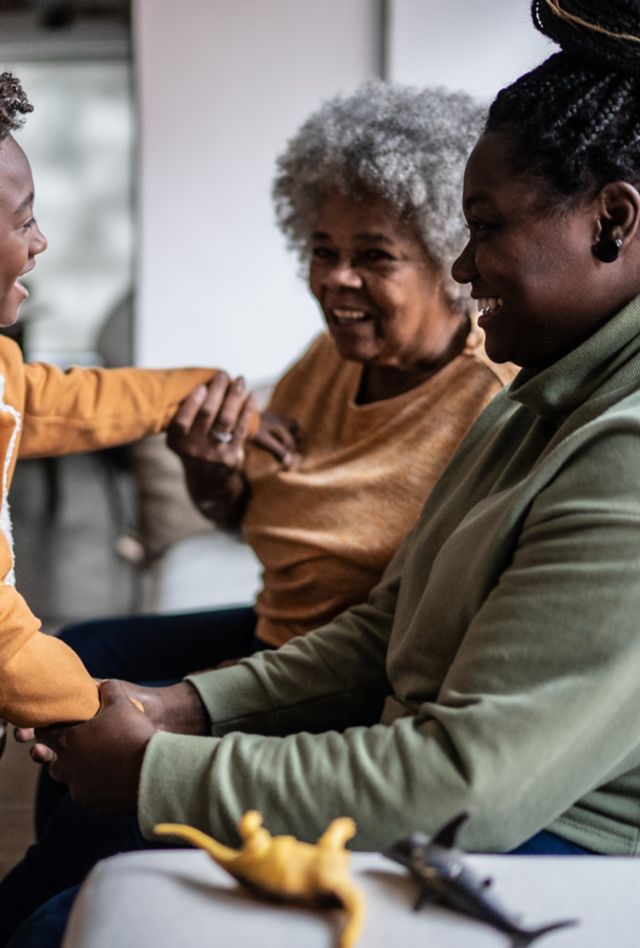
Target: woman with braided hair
x: 493, y: 670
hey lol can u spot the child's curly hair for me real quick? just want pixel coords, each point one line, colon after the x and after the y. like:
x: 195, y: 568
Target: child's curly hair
x: 13, y: 104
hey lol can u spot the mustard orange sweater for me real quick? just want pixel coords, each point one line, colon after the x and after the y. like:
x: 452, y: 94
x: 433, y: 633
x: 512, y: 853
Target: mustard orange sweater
x: 326, y: 529
x: 45, y: 412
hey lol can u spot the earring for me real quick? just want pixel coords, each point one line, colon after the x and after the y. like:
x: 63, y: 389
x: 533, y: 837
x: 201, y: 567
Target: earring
x: 607, y: 249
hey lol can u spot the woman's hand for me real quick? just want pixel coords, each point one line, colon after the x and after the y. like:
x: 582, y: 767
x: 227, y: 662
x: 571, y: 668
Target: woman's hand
x: 176, y: 708
x: 212, y: 424
x: 100, y: 760
x: 279, y: 436
x: 209, y: 433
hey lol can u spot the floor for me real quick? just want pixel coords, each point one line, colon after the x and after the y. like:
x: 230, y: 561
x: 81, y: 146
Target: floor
x: 67, y: 518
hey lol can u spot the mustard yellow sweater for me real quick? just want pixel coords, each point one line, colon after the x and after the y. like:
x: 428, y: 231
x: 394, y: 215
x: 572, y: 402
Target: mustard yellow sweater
x: 45, y: 412
x: 326, y: 529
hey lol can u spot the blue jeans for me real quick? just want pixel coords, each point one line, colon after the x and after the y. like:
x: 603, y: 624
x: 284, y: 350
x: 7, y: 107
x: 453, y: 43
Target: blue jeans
x: 156, y: 649
x: 46, y: 927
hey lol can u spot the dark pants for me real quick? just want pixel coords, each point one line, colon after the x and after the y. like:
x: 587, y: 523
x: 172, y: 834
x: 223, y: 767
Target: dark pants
x: 154, y: 649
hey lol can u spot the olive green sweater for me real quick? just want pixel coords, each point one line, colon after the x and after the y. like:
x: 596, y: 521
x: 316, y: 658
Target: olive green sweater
x: 495, y: 668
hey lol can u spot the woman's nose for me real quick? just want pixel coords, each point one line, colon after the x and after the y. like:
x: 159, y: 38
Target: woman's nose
x: 463, y: 268
x: 342, y: 273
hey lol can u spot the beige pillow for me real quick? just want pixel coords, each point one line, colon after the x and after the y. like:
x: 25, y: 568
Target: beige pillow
x: 166, y: 513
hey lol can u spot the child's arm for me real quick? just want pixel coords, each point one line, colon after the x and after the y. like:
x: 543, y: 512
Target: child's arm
x: 86, y: 409
x: 41, y: 679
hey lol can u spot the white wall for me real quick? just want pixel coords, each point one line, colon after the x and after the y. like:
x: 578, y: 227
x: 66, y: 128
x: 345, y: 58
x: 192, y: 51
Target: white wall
x: 221, y: 85
x: 79, y: 143
x: 476, y: 45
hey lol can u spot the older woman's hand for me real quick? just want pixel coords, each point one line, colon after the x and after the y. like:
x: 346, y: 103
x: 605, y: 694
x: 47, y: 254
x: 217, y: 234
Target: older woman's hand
x: 212, y: 424
x: 209, y: 433
x: 279, y: 436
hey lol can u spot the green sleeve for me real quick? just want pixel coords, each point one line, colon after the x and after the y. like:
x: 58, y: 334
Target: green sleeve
x: 327, y: 679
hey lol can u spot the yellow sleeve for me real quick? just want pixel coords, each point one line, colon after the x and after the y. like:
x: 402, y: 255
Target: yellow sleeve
x: 87, y: 409
x: 42, y: 681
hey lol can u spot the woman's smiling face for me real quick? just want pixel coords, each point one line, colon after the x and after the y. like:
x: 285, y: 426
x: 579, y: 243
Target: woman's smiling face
x: 539, y: 287
x: 378, y: 289
x: 20, y: 236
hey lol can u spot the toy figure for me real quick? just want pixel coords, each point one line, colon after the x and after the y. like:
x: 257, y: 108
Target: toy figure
x: 445, y: 879
x: 284, y: 869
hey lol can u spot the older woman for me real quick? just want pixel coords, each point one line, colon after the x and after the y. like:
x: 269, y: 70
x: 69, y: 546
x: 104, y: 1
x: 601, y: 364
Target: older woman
x: 367, y: 192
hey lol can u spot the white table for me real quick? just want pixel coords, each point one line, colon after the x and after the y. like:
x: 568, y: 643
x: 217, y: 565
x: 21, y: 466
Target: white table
x: 180, y: 899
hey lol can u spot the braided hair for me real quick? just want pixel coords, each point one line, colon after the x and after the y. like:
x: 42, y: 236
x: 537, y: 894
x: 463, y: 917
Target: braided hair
x: 13, y: 104
x: 575, y: 119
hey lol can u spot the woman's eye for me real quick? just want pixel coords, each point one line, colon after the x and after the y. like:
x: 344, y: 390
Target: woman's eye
x: 375, y: 255
x: 322, y: 253
x: 479, y: 228
x: 29, y: 224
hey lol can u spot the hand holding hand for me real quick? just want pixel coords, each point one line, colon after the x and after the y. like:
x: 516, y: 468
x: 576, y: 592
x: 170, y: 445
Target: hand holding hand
x: 212, y: 424
x: 100, y: 760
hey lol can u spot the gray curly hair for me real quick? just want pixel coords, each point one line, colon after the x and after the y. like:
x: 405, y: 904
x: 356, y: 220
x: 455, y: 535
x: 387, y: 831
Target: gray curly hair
x: 406, y: 145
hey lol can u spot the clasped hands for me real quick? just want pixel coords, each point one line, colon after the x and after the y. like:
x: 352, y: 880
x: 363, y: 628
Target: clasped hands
x: 214, y: 421
x: 100, y: 760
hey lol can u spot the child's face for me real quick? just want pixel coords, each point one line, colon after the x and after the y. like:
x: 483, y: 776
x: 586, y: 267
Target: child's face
x: 20, y: 236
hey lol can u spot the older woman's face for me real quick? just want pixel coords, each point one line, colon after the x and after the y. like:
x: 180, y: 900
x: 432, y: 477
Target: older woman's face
x: 540, y: 289
x: 379, y: 292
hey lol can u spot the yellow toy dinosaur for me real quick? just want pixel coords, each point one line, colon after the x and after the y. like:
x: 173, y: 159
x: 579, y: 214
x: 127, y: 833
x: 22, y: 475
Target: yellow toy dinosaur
x: 283, y: 868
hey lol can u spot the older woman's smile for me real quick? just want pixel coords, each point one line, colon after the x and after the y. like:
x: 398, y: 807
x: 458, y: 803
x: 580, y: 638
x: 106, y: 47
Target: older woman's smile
x: 345, y: 317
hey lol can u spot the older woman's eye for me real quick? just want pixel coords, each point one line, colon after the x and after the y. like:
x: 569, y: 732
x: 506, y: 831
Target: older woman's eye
x: 375, y: 255
x: 322, y: 253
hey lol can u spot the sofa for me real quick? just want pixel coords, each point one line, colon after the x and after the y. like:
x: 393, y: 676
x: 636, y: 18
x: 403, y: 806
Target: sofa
x: 183, y: 562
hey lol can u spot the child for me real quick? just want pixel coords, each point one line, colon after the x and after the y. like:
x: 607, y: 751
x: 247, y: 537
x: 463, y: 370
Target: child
x: 45, y: 412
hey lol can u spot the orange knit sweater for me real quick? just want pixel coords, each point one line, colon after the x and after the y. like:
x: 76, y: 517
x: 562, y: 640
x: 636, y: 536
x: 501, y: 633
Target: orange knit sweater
x: 326, y: 529
x: 45, y: 412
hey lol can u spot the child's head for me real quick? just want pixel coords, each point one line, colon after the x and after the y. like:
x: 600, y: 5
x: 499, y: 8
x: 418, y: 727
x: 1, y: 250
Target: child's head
x: 20, y: 237
x: 13, y: 104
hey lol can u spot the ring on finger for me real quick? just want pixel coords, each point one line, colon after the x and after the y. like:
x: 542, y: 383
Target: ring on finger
x: 219, y: 434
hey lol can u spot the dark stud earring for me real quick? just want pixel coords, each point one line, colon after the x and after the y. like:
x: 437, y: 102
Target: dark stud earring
x: 607, y: 249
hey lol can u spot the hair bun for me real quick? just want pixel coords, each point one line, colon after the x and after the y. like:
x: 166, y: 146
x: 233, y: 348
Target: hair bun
x: 598, y: 32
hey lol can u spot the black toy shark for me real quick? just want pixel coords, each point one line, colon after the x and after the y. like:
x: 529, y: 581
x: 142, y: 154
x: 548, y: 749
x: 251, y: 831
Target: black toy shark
x: 445, y: 879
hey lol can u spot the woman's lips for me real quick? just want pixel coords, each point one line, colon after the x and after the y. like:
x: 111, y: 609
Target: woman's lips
x: 346, y: 317
x: 487, y: 307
